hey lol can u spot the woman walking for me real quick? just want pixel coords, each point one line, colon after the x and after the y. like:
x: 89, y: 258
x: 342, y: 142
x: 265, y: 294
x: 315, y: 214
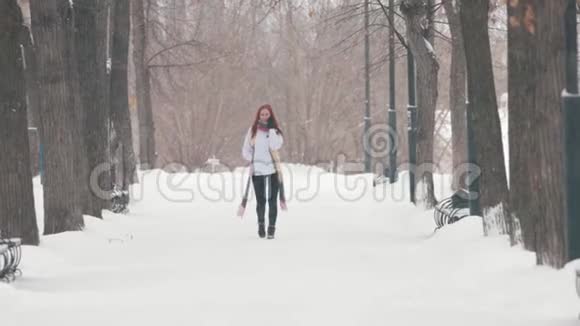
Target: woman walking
x: 263, y: 140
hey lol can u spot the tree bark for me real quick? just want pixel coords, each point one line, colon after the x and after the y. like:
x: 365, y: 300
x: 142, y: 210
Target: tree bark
x: 60, y: 128
x: 32, y: 99
x: 120, y: 93
x: 414, y: 12
x: 458, y: 77
x: 96, y: 118
x: 147, y: 153
x: 536, y: 77
x: 31, y: 77
x: 17, y: 214
x: 485, y: 116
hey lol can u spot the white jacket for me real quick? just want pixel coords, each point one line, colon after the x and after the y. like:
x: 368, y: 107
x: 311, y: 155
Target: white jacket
x: 264, y: 142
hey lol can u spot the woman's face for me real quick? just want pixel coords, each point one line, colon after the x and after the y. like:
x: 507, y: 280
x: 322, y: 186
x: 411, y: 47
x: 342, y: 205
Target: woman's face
x: 264, y: 115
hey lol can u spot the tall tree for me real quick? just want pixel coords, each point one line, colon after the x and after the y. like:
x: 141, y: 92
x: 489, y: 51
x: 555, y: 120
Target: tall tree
x: 458, y: 76
x: 31, y: 76
x: 536, y: 77
x: 91, y: 66
x: 147, y: 152
x: 484, y: 116
x: 32, y: 98
x: 120, y: 92
x: 420, y: 40
x: 52, y: 25
x: 17, y: 214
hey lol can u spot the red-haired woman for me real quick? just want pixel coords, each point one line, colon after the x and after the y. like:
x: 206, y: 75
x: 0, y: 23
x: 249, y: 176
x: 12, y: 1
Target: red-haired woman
x: 263, y: 138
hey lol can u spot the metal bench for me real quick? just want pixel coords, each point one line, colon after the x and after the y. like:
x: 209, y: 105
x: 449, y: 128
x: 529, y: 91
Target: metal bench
x: 11, y: 254
x: 3, y: 259
x: 452, y: 209
x: 119, y: 200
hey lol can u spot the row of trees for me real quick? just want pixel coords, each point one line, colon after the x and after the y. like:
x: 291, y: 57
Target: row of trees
x: 206, y: 65
x: 212, y: 63
x: 530, y: 207
x: 71, y: 73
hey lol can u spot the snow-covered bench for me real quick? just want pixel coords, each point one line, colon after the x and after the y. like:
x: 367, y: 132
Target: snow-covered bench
x: 452, y: 209
x: 10, y: 256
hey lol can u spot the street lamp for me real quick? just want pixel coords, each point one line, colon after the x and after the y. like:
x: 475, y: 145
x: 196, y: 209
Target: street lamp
x: 367, y: 117
x: 412, y: 121
x: 472, y: 177
x: 571, y: 112
x: 392, y: 110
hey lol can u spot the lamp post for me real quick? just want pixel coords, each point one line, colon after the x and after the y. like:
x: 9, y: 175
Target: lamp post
x: 392, y: 115
x: 571, y: 115
x: 472, y: 178
x: 367, y: 117
x: 412, y: 121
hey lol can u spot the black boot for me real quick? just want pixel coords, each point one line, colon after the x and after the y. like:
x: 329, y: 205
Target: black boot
x: 261, y: 231
x: 271, y: 231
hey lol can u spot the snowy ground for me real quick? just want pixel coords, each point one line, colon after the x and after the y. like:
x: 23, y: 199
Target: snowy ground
x: 337, y: 260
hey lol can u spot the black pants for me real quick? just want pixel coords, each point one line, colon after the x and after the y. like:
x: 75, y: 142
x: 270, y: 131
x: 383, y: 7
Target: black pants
x: 269, y: 184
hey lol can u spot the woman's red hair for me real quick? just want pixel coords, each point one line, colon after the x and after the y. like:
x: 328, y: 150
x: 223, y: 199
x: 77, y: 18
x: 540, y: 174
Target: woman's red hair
x: 272, y: 122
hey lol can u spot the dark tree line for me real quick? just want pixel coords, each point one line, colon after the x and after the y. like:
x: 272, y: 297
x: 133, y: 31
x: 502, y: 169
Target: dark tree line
x: 530, y: 206
x: 71, y: 73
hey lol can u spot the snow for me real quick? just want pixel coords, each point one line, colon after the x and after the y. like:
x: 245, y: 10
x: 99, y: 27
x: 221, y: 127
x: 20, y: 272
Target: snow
x: 504, y: 124
x: 345, y: 254
x: 429, y: 47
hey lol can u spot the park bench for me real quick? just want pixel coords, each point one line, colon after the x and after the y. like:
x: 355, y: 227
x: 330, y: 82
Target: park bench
x: 452, y: 209
x: 119, y: 200
x: 3, y: 259
x: 10, y: 256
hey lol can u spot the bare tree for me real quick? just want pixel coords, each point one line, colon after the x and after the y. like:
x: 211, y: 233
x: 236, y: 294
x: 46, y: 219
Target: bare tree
x: 120, y: 95
x: 458, y: 77
x: 211, y: 65
x: 17, y: 215
x: 536, y: 78
x: 484, y: 116
x: 91, y: 66
x: 420, y: 41
x: 147, y: 153
x: 60, y: 119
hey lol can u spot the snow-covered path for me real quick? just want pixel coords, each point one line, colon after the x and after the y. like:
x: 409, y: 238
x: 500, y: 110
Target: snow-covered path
x: 173, y: 261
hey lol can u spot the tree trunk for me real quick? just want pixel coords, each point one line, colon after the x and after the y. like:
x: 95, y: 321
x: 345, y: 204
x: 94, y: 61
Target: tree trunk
x: 32, y: 99
x: 17, y: 214
x: 457, y: 98
x: 104, y: 37
x: 120, y: 92
x: 485, y: 116
x: 147, y: 154
x: 536, y: 77
x: 414, y: 12
x: 96, y: 117
x: 60, y: 129
x: 31, y: 76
